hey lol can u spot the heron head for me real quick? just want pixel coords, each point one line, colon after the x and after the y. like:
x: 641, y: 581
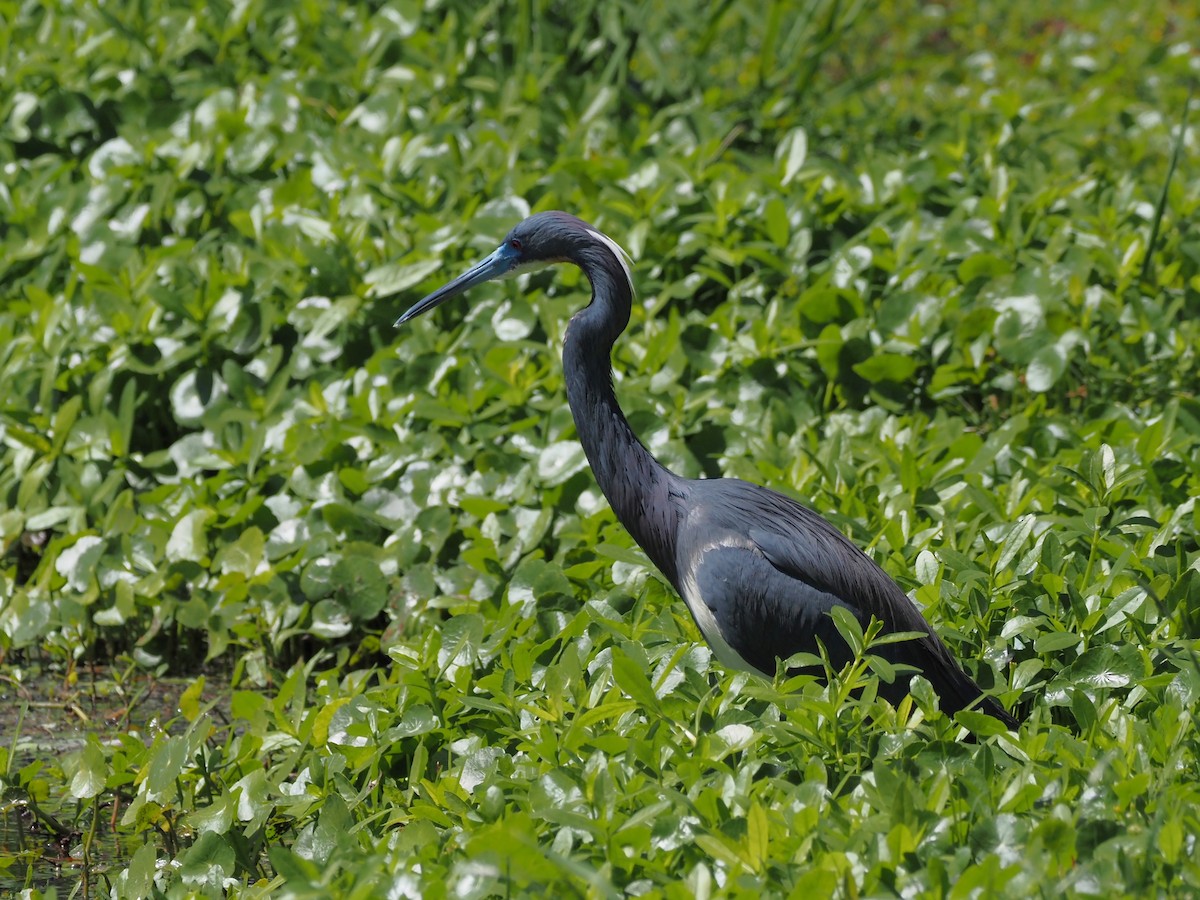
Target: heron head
x: 542, y: 239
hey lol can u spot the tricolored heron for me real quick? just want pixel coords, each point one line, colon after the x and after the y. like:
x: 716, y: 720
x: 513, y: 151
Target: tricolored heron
x: 759, y: 571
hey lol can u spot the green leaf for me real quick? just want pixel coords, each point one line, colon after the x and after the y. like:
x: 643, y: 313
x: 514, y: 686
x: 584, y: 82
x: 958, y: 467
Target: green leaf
x: 1084, y: 710
x: 927, y: 567
x: 1055, y: 641
x: 829, y: 348
x: 209, y: 861
x: 617, y: 553
x: 757, y: 836
x: 189, y: 700
x: 980, y: 723
x: 243, y: 555
x: 166, y: 762
x: 91, y: 771
x: 849, y: 628
x: 777, y: 224
x: 560, y: 461
x: 194, y: 394
x: 188, y: 541
x: 1102, y: 668
x: 64, y: 420
x: 139, y: 877
x: 792, y: 151
x: 332, y: 835
x: 1017, y: 535
x: 78, y: 562
x: 887, y: 367
x: 1107, y: 466
x: 331, y: 619
x: 216, y: 817
x: 632, y: 679
x: 254, y: 802
x: 715, y: 847
x: 298, y: 872
x: 1046, y: 368
x: 416, y: 720
x: 983, y: 266
x: 360, y: 586
x: 1171, y: 840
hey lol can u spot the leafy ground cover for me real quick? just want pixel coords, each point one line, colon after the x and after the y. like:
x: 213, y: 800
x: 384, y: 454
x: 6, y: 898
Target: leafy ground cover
x: 929, y: 268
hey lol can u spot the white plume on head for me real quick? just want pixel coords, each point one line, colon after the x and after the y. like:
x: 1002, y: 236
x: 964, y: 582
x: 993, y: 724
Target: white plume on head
x: 619, y: 252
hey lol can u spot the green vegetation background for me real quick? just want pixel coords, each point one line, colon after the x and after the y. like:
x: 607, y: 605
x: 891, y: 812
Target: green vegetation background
x: 912, y: 263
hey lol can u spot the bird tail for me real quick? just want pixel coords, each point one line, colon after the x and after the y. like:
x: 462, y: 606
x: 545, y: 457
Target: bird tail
x: 957, y: 691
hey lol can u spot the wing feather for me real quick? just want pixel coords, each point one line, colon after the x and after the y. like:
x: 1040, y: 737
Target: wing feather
x: 768, y: 570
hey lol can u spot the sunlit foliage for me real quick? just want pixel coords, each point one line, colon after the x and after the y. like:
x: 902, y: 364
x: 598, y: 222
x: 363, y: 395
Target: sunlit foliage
x: 929, y: 268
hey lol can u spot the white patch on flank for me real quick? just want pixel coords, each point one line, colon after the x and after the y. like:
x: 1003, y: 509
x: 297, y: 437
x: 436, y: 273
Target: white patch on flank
x: 704, y: 617
x: 619, y: 252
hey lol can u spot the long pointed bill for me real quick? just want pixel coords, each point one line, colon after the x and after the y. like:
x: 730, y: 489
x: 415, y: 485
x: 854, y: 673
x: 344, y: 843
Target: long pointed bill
x: 497, y: 265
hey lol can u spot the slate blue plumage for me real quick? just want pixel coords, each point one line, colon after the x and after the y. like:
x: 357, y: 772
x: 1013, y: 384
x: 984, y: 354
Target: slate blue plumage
x: 759, y: 571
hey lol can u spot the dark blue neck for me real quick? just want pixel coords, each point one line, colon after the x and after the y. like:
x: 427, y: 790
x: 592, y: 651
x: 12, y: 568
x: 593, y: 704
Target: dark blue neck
x: 638, y: 486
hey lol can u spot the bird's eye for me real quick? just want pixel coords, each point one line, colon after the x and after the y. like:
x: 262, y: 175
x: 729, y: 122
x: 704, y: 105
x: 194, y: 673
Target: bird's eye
x: 515, y: 243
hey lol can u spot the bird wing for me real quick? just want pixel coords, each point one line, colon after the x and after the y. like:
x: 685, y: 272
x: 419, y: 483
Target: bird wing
x: 761, y: 573
x: 746, y: 605
x: 803, y: 546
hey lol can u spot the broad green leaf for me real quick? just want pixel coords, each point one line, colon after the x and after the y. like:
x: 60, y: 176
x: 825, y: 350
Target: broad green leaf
x: 416, y: 720
x: 360, y: 586
x: 560, y: 461
x: 139, y: 877
x: 632, y: 679
x: 887, y: 367
x: 982, y: 266
x: 849, y: 628
x: 243, y: 555
x: 980, y: 723
x: 91, y: 771
x: 331, y: 619
x: 188, y: 540
x: 166, y: 761
x: 1054, y: 641
x: 217, y: 817
x: 194, y: 394
x: 208, y: 862
x: 927, y: 567
x: 1046, y: 368
x: 1171, y: 839
x: 255, y: 799
x: 1101, y: 667
x: 1013, y: 542
x: 189, y: 700
x: 78, y: 562
x: 323, y: 718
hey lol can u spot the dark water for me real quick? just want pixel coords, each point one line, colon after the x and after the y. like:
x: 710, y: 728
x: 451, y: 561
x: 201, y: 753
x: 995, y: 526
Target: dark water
x: 48, y: 840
